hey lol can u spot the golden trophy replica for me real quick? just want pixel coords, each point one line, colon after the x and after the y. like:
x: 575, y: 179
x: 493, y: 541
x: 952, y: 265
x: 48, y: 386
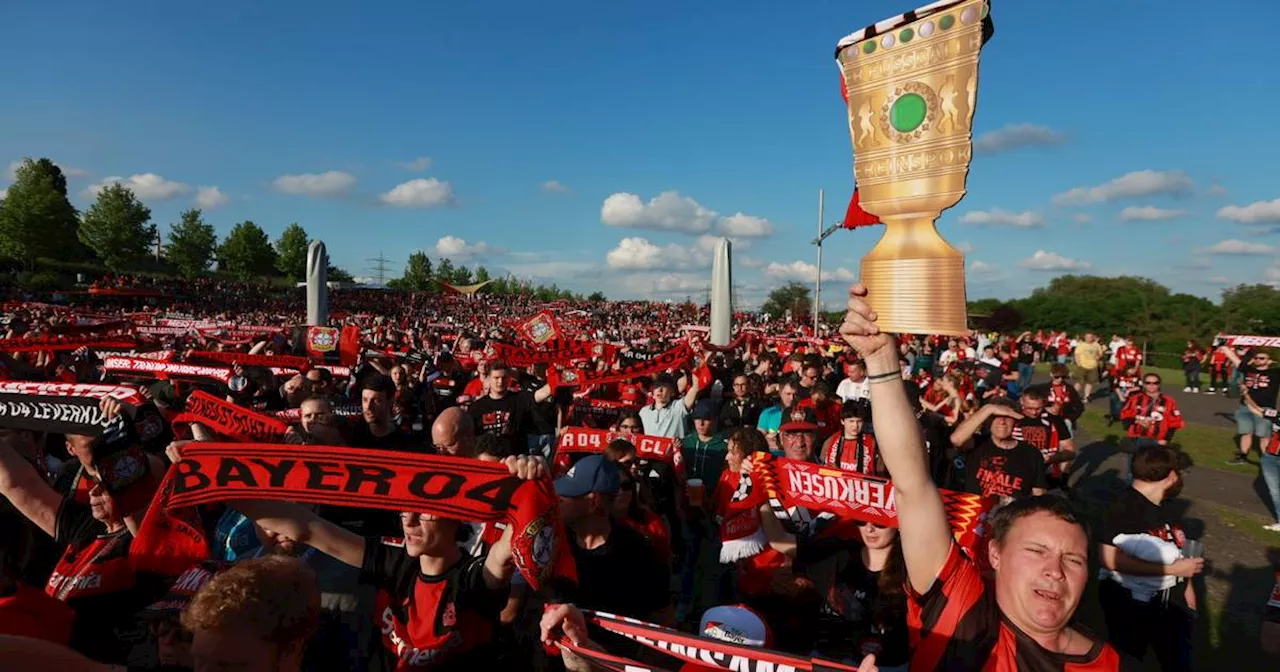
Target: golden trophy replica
x: 911, y: 83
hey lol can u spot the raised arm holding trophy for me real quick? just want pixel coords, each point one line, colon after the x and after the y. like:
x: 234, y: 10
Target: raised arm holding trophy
x: 911, y: 84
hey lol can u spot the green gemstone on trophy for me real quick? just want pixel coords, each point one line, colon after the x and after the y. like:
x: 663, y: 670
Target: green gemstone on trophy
x: 986, y: 9
x: 908, y: 112
x: 946, y: 22
x: 906, y: 35
x: 868, y: 46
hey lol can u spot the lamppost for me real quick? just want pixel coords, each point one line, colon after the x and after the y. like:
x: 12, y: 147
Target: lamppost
x: 822, y: 235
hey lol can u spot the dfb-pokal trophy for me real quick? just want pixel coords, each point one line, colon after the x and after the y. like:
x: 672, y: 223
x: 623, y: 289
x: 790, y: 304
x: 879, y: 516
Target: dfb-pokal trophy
x: 911, y: 84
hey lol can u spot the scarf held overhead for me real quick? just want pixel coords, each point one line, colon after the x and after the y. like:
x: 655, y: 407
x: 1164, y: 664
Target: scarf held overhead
x: 673, y: 358
x: 587, y: 440
x: 231, y: 420
x: 845, y: 497
x: 171, y: 539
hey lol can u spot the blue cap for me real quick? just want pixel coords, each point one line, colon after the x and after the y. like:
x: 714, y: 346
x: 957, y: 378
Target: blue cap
x: 705, y: 410
x: 592, y: 473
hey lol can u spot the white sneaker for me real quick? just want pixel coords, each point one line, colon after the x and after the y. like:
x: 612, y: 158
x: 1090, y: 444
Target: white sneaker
x: 1186, y: 389
x: 1273, y: 527
x: 1210, y: 391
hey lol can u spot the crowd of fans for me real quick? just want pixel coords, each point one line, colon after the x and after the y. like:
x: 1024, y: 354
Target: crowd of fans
x: 668, y: 542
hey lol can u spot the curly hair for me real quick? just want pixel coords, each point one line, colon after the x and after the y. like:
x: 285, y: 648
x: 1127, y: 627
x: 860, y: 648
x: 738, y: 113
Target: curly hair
x: 275, y: 597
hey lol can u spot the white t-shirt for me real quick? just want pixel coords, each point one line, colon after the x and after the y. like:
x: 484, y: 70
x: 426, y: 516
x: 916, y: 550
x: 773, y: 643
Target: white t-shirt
x: 849, y: 390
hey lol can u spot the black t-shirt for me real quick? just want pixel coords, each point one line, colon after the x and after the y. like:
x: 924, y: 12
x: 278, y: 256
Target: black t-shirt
x: 1132, y: 513
x: 937, y: 442
x: 847, y: 624
x: 95, y: 578
x: 397, y: 439
x: 1026, y: 352
x: 1262, y: 385
x: 623, y: 576
x: 999, y: 472
x: 512, y: 419
x: 443, y: 622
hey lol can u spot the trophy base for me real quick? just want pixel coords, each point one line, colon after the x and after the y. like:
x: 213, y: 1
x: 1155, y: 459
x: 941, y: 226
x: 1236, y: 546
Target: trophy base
x: 917, y: 296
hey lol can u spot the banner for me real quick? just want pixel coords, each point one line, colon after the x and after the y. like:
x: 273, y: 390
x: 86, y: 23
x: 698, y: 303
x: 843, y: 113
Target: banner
x: 246, y: 359
x: 461, y: 488
x: 698, y: 651
x: 794, y: 489
x: 231, y: 420
x: 329, y: 345
x: 587, y: 440
x: 64, y: 343
x: 135, y: 366
x: 1247, y: 341
x: 673, y: 358
x: 541, y: 329
x: 45, y: 413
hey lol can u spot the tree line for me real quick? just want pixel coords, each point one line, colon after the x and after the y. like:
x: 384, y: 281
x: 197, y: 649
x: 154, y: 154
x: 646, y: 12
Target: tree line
x: 38, y: 224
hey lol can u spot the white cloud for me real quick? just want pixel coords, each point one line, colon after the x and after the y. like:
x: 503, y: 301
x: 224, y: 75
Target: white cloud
x: 67, y: 171
x: 208, y: 198
x: 745, y: 226
x: 419, y: 193
x: 329, y: 183
x: 653, y: 284
x: 12, y: 171
x: 3, y: 193
x: 997, y: 217
x: 669, y: 211
x: 977, y: 266
x: 805, y: 272
x: 1149, y: 213
x: 551, y: 270
x: 1219, y: 280
x: 1237, y: 246
x: 554, y: 187
x: 1138, y: 184
x: 1273, y: 275
x: 638, y: 254
x: 1260, y: 212
x: 458, y: 249
x: 1017, y: 136
x: 147, y: 186
x: 1052, y: 261
x: 1215, y: 189
x: 750, y: 262
x: 964, y: 246
x: 417, y: 165
x: 1082, y: 218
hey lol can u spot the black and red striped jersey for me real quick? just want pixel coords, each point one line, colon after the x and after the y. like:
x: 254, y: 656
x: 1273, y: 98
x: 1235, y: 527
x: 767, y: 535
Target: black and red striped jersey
x: 957, y: 625
x: 1161, y: 410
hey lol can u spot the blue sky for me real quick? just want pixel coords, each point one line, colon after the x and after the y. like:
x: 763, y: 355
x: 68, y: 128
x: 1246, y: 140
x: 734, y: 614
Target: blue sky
x: 535, y: 137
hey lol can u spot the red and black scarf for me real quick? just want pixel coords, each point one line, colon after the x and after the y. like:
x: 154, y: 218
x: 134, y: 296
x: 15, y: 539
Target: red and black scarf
x: 172, y: 537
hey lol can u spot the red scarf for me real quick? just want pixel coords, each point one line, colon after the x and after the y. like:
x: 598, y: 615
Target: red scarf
x: 670, y: 359
x: 845, y: 497
x: 230, y: 420
x: 171, y: 538
x: 587, y: 440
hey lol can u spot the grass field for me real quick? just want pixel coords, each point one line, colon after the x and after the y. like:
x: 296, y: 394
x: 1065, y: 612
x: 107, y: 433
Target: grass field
x: 1208, y: 447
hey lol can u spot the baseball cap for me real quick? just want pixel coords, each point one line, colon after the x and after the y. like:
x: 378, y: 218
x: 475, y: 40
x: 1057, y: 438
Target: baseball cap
x: 799, y: 420
x: 736, y: 624
x: 592, y: 473
x: 181, y: 593
x: 704, y: 410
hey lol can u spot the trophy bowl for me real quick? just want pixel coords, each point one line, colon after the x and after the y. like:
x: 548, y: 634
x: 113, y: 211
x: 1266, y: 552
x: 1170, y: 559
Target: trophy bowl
x: 911, y: 84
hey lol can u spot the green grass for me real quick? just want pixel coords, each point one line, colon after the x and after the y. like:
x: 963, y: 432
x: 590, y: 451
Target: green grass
x: 1209, y: 447
x: 1169, y: 376
x: 1247, y: 523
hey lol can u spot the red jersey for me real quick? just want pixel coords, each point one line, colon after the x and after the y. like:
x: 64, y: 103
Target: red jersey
x: 852, y: 454
x: 957, y: 625
x: 31, y: 613
x: 827, y: 415
x: 1162, y: 410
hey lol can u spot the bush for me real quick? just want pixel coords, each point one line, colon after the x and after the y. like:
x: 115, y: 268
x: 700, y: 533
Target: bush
x: 42, y: 281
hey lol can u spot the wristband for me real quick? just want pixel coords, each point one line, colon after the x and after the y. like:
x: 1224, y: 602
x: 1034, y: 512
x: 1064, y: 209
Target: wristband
x: 885, y: 377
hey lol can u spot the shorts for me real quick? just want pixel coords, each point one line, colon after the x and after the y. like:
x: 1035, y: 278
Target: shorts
x: 1248, y: 423
x: 1087, y: 376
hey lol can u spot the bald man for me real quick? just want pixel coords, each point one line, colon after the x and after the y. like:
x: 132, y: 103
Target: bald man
x: 453, y: 433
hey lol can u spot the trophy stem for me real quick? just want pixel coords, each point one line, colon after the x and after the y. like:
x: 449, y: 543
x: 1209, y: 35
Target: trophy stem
x: 915, y: 279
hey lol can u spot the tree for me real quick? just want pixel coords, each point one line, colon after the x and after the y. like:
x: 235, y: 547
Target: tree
x: 1251, y: 309
x: 596, y: 297
x: 291, y: 252
x: 793, y: 296
x: 461, y: 276
x: 482, y: 274
x: 115, y: 227
x: 445, y: 270
x: 246, y: 252
x: 36, y: 219
x: 417, y: 274
x: 191, y: 244
x: 337, y: 274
